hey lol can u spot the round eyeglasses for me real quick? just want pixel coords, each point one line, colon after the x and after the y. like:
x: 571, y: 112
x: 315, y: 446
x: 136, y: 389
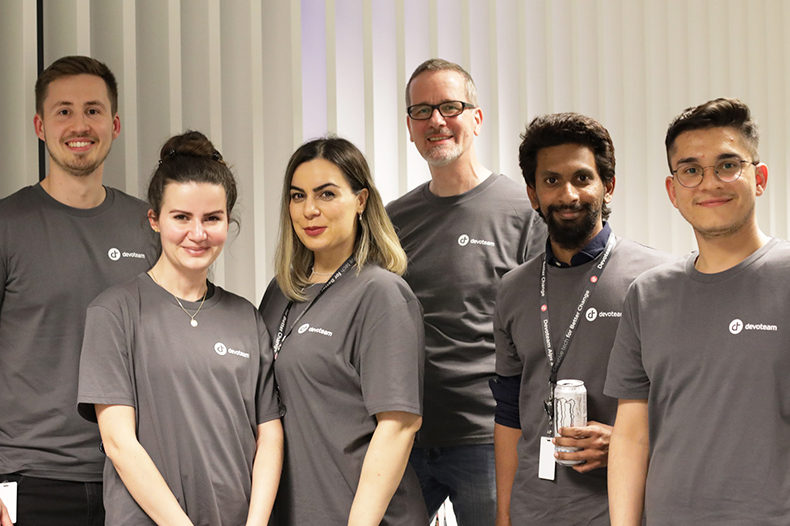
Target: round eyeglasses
x: 727, y: 170
x: 450, y: 108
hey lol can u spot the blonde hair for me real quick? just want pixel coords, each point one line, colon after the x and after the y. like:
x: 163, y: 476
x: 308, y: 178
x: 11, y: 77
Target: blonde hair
x: 376, y: 240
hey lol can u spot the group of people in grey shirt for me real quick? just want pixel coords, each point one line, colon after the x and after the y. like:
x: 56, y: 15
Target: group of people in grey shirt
x: 402, y: 355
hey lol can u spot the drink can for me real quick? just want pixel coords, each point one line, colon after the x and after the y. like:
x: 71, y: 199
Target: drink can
x: 570, y: 410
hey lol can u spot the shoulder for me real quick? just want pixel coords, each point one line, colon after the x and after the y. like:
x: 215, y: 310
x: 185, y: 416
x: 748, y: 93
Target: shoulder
x: 411, y: 199
x: 663, y: 277
x: 122, y: 200
x: 641, y: 256
x: 523, y: 272
x: 119, y: 297
x: 20, y: 201
x: 376, y: 282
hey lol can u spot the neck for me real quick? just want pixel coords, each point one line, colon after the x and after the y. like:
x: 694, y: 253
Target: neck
x: 566, y: 254
x: 458, y: 177
x: 186, y: 286
x: 325, y: 264
x: 75, y: 191
x: 720, y: 253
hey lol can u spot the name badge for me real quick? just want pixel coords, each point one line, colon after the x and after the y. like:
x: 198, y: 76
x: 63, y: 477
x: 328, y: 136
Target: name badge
x: 547, y: 464
x: 8, y: 496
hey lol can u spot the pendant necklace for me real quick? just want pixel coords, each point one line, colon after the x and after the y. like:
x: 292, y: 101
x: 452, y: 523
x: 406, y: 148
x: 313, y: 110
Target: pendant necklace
x: 192, y: 321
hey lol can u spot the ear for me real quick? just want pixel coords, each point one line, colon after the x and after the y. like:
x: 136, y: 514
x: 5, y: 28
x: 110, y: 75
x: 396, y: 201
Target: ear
x: 609, y: 190
x: 408, y: 127
x: 116, y: 127
x: 38, y: 125
x: 153, y: 221
x: 478, y: 116
x: 362, y: 200
x: 669, y: 182
x: 533, y: 197
x: 760, y: 178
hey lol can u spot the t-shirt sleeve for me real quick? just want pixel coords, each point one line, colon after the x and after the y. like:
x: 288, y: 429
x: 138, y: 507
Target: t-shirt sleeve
x: 266, y: 394
x: 105, y: 363
x: 626, y: 377
x: 391, y: 359
x: 536, y: 233
x: 508, y: 362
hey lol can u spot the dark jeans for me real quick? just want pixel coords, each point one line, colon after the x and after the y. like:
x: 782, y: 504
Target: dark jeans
x: 47, y: 502
x: 466, y: 474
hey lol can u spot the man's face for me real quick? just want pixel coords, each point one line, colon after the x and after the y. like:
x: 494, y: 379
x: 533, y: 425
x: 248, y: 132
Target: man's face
x: 715, y: 208
x: 442, y: 140
x: 569, y: 194
x: 77, y: 124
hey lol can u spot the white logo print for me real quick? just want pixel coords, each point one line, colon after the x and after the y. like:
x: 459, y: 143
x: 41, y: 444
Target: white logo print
x: 463, y: 240
x: 736, y: 326
x: 591, y: 314
x: 304, y: 328
x: 114, y: 254
x: 220, y: 348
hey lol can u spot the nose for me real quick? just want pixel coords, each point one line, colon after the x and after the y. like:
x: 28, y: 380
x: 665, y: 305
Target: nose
x: 311, y: 209
x: 79, y: 123
x: 197, y: 232
x: 570, y: 194
x: 710, y: 179
x: 437, y: 119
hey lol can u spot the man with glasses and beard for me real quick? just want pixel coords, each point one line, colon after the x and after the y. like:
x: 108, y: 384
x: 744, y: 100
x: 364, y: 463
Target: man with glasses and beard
x: 62, y: 242
x: 556, y: 318
x: 701, y: 363
x: 461, y: 231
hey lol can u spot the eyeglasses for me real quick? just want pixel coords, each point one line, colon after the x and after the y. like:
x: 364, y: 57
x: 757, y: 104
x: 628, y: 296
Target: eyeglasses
x: 450, y: 108
x: 727, y: 170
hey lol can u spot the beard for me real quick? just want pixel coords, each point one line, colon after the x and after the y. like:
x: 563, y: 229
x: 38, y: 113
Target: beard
x: 80, y: 165
x: 441, y: 155
x: 572, y: 234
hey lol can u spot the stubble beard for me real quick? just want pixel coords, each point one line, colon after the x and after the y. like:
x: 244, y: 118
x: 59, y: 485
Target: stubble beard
x: 714, y: 233
x: 77, y: 168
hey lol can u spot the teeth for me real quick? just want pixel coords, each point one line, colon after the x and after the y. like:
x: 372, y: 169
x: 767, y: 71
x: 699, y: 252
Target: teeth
x: 79, y: 144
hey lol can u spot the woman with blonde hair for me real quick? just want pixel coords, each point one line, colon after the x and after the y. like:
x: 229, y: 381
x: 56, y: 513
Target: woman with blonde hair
x: 348, y: 339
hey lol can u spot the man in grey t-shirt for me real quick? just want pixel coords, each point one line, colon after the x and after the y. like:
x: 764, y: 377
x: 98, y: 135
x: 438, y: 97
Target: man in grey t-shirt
x: 568, y: 163
x: 62, y: 242
x: 462, y: 231
x: 700, y: 362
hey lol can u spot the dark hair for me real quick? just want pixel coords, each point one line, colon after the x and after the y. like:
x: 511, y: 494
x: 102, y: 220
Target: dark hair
x: 438, y: 64
x: 76, y: 65
x: 716, y: 113
x: 376, y: 239
x: 567, y: 128
x: 190, y: 158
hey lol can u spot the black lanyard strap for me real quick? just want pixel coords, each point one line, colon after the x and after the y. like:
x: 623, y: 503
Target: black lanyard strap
x: 555, y: 359
x: 281, y: 332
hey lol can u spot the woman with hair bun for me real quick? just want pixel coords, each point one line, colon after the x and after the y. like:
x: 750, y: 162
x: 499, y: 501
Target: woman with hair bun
x: 348, y: 342
x: 178, y: 371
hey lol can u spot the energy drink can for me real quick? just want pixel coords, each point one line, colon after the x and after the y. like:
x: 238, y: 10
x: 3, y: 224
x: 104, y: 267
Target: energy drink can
x: 570, y: 410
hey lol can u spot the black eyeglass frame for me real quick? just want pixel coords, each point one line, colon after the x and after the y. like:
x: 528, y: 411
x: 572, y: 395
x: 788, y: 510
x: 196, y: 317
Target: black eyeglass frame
x: 464, y: 106
x: 715, y: 172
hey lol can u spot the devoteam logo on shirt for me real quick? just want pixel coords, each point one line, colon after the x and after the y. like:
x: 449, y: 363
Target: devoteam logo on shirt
x: 737, y: 325
x: 114, y: 254
x: 306, y: 328
x: 222, y: 350
x: 592, y: 314
x: 464, y: 240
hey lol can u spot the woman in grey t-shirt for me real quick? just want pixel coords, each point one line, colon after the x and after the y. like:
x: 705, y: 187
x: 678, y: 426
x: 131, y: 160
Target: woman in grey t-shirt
x: 347, y: 334
x: 179, y: 371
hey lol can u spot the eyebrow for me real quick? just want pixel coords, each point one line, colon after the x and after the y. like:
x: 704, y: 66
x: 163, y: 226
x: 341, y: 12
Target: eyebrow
x: 215, y: 212
x: 87, y: 103
x: 317, y: 188
x: 720, y: 157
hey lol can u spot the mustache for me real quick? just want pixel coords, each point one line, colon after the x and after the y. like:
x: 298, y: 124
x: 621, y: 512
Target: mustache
x: 578, y: 207
x: 80, y: 136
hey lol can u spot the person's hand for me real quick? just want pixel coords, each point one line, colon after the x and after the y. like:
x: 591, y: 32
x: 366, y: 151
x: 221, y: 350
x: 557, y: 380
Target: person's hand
x: 592, y: 441
x: 5, y: 518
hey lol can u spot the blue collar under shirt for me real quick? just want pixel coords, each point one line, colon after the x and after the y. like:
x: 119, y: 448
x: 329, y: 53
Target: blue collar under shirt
x: 588, y: 253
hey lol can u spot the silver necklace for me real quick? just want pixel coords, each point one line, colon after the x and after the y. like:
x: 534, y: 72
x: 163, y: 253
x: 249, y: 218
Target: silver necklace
x: 192, y: 321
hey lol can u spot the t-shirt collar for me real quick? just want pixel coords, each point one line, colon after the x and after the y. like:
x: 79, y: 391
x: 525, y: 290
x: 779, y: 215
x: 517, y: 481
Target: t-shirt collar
x: 586, y: 254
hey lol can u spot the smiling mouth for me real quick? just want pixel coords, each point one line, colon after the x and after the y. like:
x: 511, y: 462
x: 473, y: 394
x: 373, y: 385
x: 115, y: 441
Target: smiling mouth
x: 79, y: 143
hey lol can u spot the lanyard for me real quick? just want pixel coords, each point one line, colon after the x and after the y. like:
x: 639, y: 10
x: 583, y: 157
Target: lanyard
x: 281, y: 333
x: 555, y: 359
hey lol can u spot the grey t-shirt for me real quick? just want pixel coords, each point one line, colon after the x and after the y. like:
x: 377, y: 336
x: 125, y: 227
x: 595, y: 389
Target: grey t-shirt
x: 198, y: 392
x: 459, y: 247
x: 357, y: 351
x: 54, y: 260
x: 573, y: 498
x: 711, y: 354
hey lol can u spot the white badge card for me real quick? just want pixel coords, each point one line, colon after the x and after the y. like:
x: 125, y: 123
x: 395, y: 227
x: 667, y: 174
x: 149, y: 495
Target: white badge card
x: 8, y: 496
x: 546, y: 465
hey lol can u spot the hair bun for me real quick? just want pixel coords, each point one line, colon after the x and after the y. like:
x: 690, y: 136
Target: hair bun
x: 191, y: 143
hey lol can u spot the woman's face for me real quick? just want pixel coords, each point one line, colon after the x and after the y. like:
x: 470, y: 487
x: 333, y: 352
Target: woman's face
x: 193, y: 225
x: 324, y: 210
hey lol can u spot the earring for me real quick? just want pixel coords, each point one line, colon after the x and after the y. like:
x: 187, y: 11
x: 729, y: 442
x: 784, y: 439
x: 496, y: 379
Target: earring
x: 156, y: 229
x: 360, y: 216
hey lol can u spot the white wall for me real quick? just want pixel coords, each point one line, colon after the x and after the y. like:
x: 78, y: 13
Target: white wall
x: 260, y: 76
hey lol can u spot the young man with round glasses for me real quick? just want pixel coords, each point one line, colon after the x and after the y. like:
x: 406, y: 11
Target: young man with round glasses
x: 462, y: 231
x: 701, y: 362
